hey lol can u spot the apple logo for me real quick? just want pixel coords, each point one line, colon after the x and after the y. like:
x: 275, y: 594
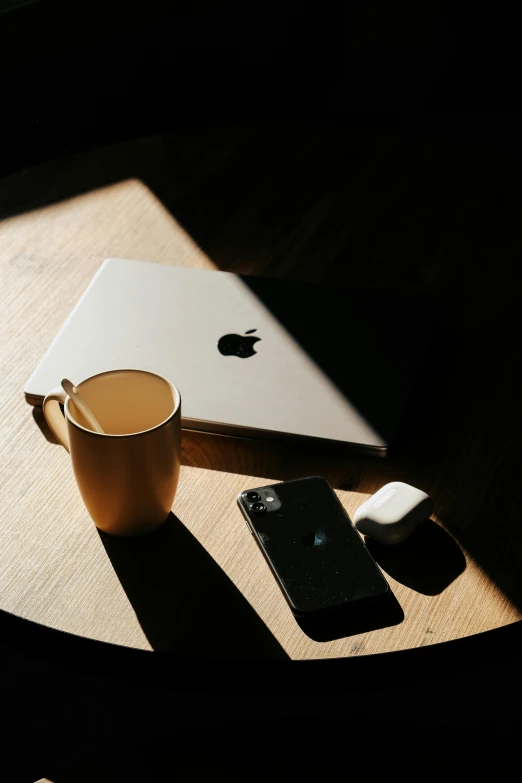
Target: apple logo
x: 238, y: 344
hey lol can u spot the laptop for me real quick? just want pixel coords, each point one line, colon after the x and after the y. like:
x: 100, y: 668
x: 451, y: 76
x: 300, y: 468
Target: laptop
x: 252, y: 357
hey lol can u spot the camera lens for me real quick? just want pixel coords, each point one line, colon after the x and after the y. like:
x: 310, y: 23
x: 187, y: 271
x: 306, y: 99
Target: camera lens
x: 253, y: 496
x: 259, y: 508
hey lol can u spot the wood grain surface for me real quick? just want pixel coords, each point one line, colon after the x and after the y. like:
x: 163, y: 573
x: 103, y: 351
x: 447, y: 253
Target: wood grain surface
x: 200, y: 585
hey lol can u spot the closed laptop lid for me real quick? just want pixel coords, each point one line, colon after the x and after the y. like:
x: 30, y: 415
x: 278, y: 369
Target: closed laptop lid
x: 249, y: 355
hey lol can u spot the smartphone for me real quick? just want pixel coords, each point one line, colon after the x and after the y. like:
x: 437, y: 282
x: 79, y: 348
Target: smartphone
x: 317, y: 556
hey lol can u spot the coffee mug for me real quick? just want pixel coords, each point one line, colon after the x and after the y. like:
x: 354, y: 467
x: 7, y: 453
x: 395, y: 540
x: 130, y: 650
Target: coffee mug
x: 128, y: 475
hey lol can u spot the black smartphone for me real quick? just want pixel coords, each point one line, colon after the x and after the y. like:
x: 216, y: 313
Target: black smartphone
x: 317, y: 556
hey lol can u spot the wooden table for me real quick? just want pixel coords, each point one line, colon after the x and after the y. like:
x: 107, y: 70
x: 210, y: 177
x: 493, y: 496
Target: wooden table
x: 200, y: 586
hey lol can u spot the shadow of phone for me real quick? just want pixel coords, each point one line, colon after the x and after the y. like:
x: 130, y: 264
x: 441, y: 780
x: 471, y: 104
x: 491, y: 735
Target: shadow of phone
x: 351, y: 621
x: 428, y: 561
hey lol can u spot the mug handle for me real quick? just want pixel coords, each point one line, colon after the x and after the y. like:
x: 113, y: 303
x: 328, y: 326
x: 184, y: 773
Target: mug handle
x: 54, y: 416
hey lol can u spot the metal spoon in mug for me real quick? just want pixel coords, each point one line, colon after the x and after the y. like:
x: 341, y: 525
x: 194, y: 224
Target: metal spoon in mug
x: 70, y: 389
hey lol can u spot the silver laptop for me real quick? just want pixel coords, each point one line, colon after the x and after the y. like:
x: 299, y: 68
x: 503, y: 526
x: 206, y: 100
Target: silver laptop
x: 251, y: 357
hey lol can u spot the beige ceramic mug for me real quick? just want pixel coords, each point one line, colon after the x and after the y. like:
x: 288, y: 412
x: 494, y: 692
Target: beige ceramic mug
x: 129, y: 474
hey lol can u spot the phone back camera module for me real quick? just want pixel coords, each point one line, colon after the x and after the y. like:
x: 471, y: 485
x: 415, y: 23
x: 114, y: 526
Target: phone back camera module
x: 262, y: 500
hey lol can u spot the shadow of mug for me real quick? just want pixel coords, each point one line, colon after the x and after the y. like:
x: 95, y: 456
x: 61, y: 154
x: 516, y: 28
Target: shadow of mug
x: 39, y: 418
x: 184, y: 601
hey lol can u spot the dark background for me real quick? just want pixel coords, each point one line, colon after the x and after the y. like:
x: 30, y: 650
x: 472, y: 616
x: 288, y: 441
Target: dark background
x: 79, y: 74
x: 405, y: 119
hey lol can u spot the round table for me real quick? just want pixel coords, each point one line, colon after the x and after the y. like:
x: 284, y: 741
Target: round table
x: 200, y: 586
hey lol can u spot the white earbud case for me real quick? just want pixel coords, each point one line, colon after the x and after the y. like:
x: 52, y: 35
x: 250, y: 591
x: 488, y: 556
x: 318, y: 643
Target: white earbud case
x: 393, y: 513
